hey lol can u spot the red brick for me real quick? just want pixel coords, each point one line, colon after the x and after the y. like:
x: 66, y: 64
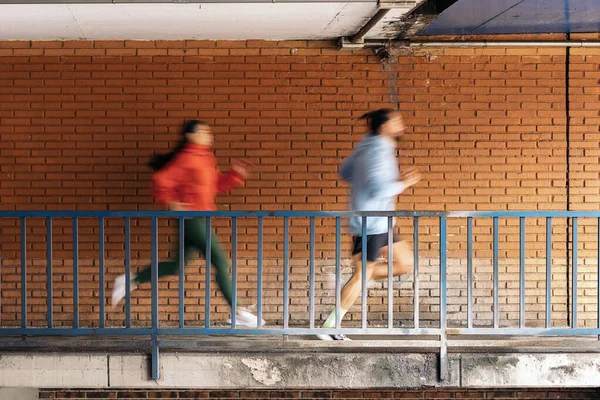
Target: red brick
x: 294, y: 114
x: 410, y: 395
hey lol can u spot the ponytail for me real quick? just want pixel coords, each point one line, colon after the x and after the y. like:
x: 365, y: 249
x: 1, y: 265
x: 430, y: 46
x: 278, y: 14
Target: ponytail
x: 377, y: 118
x: 158, y: 161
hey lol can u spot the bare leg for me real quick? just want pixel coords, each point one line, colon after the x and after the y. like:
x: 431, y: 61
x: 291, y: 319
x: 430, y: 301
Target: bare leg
x: 402, y: 261
x: 352, y: 288
x: 349, y: 294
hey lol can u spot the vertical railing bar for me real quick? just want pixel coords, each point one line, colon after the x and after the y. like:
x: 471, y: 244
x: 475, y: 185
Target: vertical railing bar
x: 207, y: 275
x: 286, y: 273
x: 155, y: 358
x: 127, y: 272
x: 598, y: 277
x: 496, y: 267
x: 23, y: 272
x: 0, y: 288
x: 233, y: 271
x: 101, y: 283
x: 574, y: 270
x: 443, y: 300
x: 181, y: 258
x: 522, y: 272
x: 443, y: 272
x: 75, y: 273
x: 338, y: 268
x: 311, y: 284
x: 548, y: 270
x: 49, y: 288
x: 390, y: 256
x: 470, y: 272
x: 364, y: 273
x: 154, y: 293
x: 416, y: 272
x: 259, y: 307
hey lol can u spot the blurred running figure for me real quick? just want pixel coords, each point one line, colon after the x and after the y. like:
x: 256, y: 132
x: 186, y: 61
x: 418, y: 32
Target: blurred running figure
x: 188, y: 179
x: 372, y: 171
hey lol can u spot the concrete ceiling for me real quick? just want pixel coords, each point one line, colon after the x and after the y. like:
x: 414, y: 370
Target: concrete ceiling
x: 227, y: 20
x: 485, y: 17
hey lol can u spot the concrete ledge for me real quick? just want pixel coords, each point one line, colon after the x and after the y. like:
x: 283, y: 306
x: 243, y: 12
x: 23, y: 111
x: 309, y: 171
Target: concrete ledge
x: 18, y: 394
x: 292, y: 370
x: 283, y: 371
x: 529, y: 370
x: 53, y: 370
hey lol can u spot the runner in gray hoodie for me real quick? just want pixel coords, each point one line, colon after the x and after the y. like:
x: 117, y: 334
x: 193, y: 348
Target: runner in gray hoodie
x: 372, y: 171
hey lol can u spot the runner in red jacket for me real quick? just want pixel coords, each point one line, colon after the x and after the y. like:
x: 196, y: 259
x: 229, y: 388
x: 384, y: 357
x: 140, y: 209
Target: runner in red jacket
x: 193, y: 179
x: 188, y: 179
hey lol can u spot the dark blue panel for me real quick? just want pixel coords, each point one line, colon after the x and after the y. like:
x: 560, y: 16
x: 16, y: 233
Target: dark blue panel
x: 483, y: 17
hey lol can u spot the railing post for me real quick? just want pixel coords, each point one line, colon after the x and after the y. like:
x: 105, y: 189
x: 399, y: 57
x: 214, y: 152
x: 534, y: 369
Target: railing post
x: 286, y: 273
x: 574, y: 271
x: 364, y: 273
x: 0, y: 288
x: 49, y: 270
x: 443, y: 324
x: 233, y: 270
x: 127, y: 272
x: 390, y: 276
x: 155, y: 373
x: 522, y: 272
x: 101, y: 283
x: 259, y: 285
x: 338, y: 268
x: 23, y: 273
x: 75, y: 273
x: 181, y: 257
x: 470, y: 272
x: 495, y: 278
x: 311, y: 277
x: 207, y: 275
x: 416, y: 273
x: 548, y: 271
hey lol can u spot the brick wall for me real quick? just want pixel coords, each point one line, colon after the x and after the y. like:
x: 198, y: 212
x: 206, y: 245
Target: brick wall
x: 79, y: 120
x: 323, y: 394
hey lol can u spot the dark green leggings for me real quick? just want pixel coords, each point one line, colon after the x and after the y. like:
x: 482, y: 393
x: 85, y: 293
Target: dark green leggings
x: 194, y: 241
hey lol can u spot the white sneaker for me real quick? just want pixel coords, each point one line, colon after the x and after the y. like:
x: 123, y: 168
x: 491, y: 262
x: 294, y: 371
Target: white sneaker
x: 243, y: 317
x: 119, y: 289
x: 335, y: 337
x: 324, y: 337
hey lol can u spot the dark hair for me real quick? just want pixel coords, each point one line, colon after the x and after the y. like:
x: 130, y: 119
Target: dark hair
x: 158, y: 161
x: 377, y: 118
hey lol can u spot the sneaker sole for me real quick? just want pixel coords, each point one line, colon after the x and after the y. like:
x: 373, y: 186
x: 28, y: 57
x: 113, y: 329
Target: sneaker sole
x: 326, y: 338
x: 246, y: 324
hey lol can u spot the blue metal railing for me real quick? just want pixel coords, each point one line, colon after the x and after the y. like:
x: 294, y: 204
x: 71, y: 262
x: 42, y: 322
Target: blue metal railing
x: 442, y: 331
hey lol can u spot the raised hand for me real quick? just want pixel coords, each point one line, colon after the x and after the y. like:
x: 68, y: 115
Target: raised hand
x: 410, y: 177
x: 241, y: 167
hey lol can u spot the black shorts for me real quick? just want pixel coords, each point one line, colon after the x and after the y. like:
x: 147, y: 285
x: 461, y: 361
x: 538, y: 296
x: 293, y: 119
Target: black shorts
x: 374, y: 245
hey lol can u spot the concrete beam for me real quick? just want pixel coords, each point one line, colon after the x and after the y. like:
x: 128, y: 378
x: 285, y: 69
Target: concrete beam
x: 18, y: 393
x: 272, y: 370
x: 300, y: 370
x: 35, y: 370
x: 530, y: 370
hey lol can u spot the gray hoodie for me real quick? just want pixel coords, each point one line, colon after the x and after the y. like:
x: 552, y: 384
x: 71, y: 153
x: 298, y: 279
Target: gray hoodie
x: 373, y: 172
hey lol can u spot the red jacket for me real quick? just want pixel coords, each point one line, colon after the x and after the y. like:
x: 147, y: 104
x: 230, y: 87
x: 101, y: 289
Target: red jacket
x: 193, y: 178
